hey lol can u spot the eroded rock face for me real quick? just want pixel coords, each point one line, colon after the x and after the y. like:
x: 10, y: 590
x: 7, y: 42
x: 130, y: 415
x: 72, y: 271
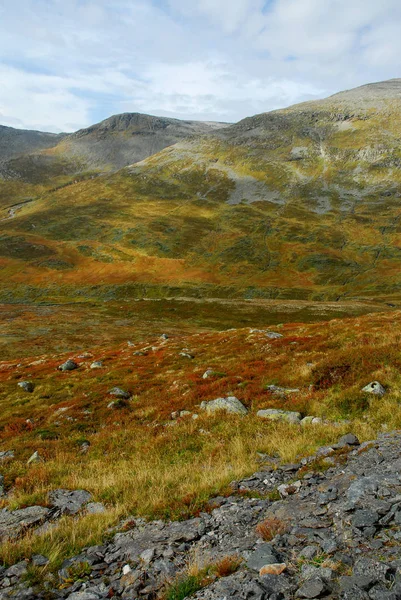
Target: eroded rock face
x: 231, y: 404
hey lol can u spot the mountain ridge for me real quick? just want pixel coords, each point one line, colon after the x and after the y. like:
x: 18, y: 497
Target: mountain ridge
x: 297, y: 203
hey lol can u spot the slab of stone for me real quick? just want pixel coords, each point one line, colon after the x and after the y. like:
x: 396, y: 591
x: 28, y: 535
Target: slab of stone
x: 276, y: 414
x: 69, y: 502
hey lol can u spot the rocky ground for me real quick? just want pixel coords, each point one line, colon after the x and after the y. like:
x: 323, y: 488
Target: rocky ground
x: 327, y: 527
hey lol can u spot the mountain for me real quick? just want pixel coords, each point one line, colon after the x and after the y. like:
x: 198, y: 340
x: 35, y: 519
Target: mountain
x: 302, y: 202
x: 19, y: 141
x: 107, y: 146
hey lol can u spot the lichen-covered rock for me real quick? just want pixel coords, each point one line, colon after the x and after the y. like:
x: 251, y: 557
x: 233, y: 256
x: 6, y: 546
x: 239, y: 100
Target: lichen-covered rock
x: 281, y: 391
x: 231, y: 404
x: 69, y: 502
x: 35, y: 458
x: 27, y: 386
x: 276, y: 414
x: 348, y: 440
x: 69, y: 365
x: 97, y: 364
x: 13, y: 523
x: 120, y: 393
x: 375, y: 388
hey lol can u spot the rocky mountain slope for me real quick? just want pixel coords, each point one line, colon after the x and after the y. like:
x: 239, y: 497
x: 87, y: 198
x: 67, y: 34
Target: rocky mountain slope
x: 22, y: 141
x: 333, y: 532
x: 296, y: 203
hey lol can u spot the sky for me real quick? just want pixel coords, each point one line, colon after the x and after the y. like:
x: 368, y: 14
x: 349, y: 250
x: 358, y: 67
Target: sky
x: 65, y: 64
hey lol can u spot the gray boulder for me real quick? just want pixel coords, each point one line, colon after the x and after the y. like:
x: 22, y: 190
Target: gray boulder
x: 231, y: 404
x: 375, y: 388
x: 262, y: 556
x: 97, y: 364
x: 13, y: 523
x: 313, y: 588
x: 27, y: 386
x: 276, y: 414
x: 69, y: 365
x: 348, y: 440
x: 119, y: 393
x: 69, y: 502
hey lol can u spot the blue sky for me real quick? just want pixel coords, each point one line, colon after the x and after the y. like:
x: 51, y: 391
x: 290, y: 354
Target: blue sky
x: 65, y: 64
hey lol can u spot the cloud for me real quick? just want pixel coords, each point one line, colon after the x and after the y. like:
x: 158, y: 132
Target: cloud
x: 64, y: 64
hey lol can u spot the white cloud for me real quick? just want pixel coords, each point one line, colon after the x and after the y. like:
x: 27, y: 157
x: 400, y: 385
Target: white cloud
x: 66, y: 64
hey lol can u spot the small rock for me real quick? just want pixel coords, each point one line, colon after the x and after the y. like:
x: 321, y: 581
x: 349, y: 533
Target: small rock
x: 35, y: 458
x: 69, y: 365
x: 164, y: 336
x: 365, y: 518
x: 375, y: 388
x: 187, y: 355
x: 69, y: 501
x: 38, y: 560
x: 231, y: 404
x: 126, y: 569
x: 97, y: 364
x: 261, y: 557
x: 348, y: 440
x: 6, y: 455
x: 281, y: 391
x: 309, y: 552
x: 312, y: 588
x: 273, y: 335
x: 95, y: 508
x: 119, y: 393
x: 147, y: 556
x: 273, y: 569
x: 310, y: 420
x: 289, y: 489
x: 27, y: 386
x: 208, y: 373
x: 84, y: 596
x: 275, y: 414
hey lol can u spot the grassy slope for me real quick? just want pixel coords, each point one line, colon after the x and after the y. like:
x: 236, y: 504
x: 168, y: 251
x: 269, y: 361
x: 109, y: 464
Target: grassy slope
x: 139, y: 464
x: 326, y: 226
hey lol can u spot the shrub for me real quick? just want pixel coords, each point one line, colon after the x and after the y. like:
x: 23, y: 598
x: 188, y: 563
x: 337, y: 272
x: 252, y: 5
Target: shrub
x: 183, y: 587
x: 227, y: 565
x: 270, y: 527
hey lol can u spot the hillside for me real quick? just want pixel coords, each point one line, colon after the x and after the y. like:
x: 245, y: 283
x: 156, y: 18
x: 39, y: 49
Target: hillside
x: 22, y: 141
x: 297, y: 203
x: 113, y: 447
x: 109, y: 145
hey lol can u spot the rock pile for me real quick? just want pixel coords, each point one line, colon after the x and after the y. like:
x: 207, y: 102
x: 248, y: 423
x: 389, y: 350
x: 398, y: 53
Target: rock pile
x: 334, y: 534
